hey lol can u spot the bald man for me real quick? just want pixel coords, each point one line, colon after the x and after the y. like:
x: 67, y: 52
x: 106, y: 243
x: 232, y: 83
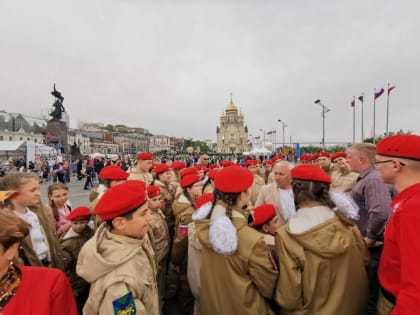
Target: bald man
x: 279, y: 193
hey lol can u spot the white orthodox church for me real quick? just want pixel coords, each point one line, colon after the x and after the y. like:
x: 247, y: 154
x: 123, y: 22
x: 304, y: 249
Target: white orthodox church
x: 232, y: 135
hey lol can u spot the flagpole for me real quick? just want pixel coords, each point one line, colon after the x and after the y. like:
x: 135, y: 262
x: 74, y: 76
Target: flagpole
x: 374, y: 114
x: 363, y: 132
x: 387, y: 110
x: 354, y: 119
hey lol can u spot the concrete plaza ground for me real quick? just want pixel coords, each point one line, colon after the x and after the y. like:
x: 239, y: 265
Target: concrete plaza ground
x: 78, y: 196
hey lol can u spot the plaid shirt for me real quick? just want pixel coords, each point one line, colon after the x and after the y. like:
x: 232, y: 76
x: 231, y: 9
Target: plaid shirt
x: 373, y: 197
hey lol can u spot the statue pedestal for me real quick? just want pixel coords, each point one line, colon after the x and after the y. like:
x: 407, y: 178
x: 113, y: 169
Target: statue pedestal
x: 57, y: 130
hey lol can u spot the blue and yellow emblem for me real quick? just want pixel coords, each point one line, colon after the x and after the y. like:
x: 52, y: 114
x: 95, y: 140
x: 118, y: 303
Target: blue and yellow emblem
x: 124, y: 305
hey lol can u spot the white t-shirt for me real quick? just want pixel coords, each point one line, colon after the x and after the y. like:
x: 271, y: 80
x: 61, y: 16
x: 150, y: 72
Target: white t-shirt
x: 287, y: 203
x: 38, y: 242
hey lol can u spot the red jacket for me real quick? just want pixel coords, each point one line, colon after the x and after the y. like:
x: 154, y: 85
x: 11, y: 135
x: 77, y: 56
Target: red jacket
x: 399, y: 271
x: 43, y: 291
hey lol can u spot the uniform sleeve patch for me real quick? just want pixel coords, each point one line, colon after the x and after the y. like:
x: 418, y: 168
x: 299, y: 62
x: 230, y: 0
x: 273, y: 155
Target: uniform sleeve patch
x: 124, y: 305
x: 183, y: 230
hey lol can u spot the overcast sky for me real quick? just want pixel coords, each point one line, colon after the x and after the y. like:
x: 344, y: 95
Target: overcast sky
x: 170, y: 66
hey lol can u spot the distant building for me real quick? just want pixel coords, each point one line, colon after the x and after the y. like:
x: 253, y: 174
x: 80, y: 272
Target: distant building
x: 18, y: 127
x: 159, y: 143
x: 131, y: 144
x: 232, y: 135
x: 92, y: 126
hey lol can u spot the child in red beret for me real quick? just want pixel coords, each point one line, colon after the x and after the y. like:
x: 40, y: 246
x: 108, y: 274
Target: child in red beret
x: 71, y: 243
x: 119, y: 260
x: 237, y: 275
x: 159, y: 236
x: 183, y: 208
x: 265, y: 220
x: 322, y: 254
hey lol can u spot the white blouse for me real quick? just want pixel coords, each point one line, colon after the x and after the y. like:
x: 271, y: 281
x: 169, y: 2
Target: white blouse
x: 38, y: 241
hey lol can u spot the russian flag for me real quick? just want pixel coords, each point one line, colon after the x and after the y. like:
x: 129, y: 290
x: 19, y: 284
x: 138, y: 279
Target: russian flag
x: 352, y: 103
x: 379, y: 93
x: 183, y: 230
x: 391, y: 88
x: 360, y: 98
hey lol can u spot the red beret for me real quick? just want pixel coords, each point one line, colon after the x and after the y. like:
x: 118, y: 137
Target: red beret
x: 314, y: 156
x: 310, y: 172
x: 268, y: 162
x: 162, y: 168
x: 226, y: 163
x: 113, y: 172
x: 402, y: 146
x: 338, y: 154
x: 263, y: 214
x: 249, y: 163
x: 203, y: 199
x: 188, y: 171
x: 178, y: 165
x: 323, y: 153
x: 121, y: 199
x: 305, y: 157
x: 233, y: 179
x: 189, y: 180
x: 144, y: 156
x: 200, y: 168
x: 212, y: 174
x: 79, y: 214
x: 153, y: 191
x: 213, y: 166
x: 277, y: 157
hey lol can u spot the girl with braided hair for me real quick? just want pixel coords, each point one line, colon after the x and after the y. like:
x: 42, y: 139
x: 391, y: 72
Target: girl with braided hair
x: 322, y: 254
x: 237, y: 274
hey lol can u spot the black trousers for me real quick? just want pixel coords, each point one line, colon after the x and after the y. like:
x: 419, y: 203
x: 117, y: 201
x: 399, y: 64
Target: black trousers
x: 374, y: 286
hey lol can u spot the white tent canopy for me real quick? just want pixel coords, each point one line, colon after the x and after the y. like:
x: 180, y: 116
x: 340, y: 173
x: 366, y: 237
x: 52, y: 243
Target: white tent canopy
x: 29, y: 150
x: 96, y: 154
x: 260, y: 151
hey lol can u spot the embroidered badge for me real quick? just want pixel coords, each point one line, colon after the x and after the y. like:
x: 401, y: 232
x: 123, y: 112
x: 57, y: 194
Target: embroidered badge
x: 124, y: 305
x: 183, y: 230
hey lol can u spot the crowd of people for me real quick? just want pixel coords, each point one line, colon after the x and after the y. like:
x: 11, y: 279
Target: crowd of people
x: 334, y: 234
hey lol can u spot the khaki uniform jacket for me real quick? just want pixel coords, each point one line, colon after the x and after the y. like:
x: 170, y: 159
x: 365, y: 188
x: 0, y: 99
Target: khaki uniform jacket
x: 256, y: 187
x: 322, y: 266
x: 117, y: 267
x: 270, y: 194
x: 343, y: 181
x: 237, y: 283
x: 194, y: 266
x: 72, y: 243
x: 159, y: 235
x: 183, y: 211
x: 167, y: 199
x: 140, y: 175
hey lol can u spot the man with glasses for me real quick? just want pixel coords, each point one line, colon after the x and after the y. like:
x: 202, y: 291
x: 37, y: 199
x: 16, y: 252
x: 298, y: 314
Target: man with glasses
x: 398, y: 163
x: 373, y: 197
x: 204, y: 160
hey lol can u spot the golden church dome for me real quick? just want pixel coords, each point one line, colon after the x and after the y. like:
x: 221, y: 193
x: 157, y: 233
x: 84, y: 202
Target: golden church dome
x: 231, y: 107
x: 223, y: 114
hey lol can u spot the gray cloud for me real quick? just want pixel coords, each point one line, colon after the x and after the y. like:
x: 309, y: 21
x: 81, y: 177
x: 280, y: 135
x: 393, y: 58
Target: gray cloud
x: 169, y: 66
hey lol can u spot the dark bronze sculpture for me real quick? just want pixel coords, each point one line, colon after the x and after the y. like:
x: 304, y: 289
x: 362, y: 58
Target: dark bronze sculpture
x: 58, y: 105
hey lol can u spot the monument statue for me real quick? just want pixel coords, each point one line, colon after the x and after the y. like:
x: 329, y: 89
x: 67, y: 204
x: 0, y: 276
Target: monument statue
x: 58, y: 105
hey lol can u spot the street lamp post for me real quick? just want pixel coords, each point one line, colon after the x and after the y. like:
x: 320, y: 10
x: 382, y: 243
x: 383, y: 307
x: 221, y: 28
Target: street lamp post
x: 263, y: 144
x: 325, y: 110
x: 284, y: 127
